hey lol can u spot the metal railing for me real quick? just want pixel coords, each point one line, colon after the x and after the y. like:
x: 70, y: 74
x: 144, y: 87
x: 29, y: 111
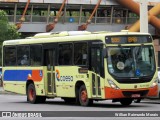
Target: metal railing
x: 74, y: 19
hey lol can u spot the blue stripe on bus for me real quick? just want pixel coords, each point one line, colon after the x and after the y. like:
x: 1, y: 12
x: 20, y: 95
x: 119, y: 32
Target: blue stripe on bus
x: 16, y: 75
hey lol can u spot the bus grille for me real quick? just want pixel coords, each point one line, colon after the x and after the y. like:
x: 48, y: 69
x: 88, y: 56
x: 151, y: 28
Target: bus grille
x: 130, y: 93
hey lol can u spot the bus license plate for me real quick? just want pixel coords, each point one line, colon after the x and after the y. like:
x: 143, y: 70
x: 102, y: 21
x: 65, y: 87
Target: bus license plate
x: 136, y: 95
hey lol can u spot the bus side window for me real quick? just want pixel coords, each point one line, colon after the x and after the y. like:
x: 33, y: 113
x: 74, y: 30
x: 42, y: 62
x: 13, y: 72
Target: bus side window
x: 36, y: 55
x: 23, y: 55
x: 80, y: 53
x: 65, y: 54
x: 10, y: 56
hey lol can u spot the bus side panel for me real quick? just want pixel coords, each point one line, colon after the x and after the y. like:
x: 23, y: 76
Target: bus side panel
x: 16, y: 87
x: 40, y: 89
x: 66, y: 79
x: 15, y: 79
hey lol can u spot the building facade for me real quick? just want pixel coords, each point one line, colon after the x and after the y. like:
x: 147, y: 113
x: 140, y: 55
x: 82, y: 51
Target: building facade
x: 110, y: 16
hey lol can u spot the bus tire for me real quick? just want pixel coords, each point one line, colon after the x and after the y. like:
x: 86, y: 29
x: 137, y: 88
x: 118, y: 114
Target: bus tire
x: 69, y: 100
x: 41, y: 99
x: 31, y: 94
x: 137, y: 100
x: 83, y: 97
x: 126, y: 101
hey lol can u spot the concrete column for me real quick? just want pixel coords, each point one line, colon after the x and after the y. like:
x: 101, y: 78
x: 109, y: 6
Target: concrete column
x: 49, y: 7
x: 144, y: 16
x: 112, y: 10
x: 95, y: 17
x: 31, y: 14
x: 127, y: 16
x: 80, y: 14
x: 64, y: 16
x: 15, y: 12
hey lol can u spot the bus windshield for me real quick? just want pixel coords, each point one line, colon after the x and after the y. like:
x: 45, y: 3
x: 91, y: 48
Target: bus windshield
x: 131, y: 61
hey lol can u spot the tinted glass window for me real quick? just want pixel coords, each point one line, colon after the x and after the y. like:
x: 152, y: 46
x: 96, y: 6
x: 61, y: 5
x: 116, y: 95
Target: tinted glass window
x: 80, y: 53
x: 23, y: 55
x: 131, y: 61
x: 36, y: 55
x: 65, y: 54
x: 10, y: 56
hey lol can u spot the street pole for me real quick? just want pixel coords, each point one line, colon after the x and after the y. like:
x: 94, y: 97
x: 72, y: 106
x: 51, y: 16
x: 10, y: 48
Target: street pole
x: 144, y: 16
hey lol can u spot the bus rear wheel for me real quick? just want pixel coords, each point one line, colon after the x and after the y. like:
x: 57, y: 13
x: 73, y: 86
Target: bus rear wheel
x: 32, y: 97
x: 69, y: 100
x: 137, y: 100
x: 126, y: 101
x: 83, y: 97
x: 31, y: 94
x: 41, y: 99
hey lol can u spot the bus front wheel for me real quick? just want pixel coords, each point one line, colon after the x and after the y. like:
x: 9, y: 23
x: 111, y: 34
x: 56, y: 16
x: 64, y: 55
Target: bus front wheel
x: 31, y: 94
x: 126, y: 101
x: 83, y: 97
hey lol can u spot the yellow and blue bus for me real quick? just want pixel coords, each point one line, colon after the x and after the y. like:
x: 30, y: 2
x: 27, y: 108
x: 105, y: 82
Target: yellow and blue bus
x: 81, y: 66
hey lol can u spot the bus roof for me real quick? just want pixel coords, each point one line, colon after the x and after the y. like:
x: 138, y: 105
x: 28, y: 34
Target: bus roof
x: 68, y: 36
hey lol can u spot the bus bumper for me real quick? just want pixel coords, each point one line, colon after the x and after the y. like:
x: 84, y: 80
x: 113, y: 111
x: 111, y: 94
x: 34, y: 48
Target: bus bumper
x: 153, y: 92
x: 111, y: 93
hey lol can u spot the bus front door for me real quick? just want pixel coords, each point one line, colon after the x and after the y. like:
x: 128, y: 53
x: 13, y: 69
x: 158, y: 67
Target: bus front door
x: 50, y: 70
x: 96, y: 67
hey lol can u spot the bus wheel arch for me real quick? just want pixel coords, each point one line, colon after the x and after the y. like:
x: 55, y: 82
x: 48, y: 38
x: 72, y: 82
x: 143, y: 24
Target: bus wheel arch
x: 81, y: 94
x: 27, y: 84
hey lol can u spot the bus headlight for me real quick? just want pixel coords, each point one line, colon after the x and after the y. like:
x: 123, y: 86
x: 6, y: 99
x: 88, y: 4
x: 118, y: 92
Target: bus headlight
x: 155, y: 82
x: 112, y: 84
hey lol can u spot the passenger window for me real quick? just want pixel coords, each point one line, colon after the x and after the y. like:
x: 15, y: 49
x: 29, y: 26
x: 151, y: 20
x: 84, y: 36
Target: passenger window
x: 80, y: 54
x: 10, y: 56
x: 65, y: 54
x: 23, y: 55
x: 36, y: 55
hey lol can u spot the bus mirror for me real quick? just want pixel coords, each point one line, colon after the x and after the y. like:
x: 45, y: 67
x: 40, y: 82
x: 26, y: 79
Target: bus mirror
x: 105, y: 53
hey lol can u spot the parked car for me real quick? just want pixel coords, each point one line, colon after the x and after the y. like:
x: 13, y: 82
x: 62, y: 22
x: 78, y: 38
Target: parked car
x: 157, y: 97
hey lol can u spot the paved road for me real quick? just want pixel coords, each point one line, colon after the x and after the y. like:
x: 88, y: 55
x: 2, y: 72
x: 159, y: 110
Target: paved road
x: 18, y: 103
